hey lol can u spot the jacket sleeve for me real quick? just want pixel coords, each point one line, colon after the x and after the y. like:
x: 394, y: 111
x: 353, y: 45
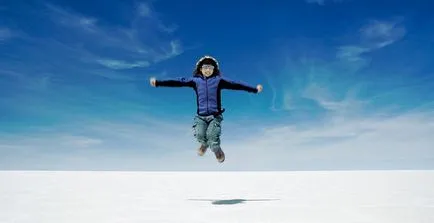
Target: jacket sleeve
x: 175, y: 82
x: 237, y: 85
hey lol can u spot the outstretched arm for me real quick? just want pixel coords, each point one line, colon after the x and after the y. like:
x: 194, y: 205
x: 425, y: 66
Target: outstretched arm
x: 175, y: 82
x: 238, y: 85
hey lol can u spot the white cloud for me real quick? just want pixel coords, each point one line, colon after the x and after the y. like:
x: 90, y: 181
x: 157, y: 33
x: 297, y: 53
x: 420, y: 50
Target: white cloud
x: 274, y: 92
x: 304, y: 85
x: 118, y: 64
x: 323, y: 2
x: 344, y: 107
x: 373, y: 36
x: 382, y: 29
x: 69, y: 19
x: 146, y: 10
x: 378, y: 34
x: 54, y: 140
x: 81, y: 141
x: 352, y: 53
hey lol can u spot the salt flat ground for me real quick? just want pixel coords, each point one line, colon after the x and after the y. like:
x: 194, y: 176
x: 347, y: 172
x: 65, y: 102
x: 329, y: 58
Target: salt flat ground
x: 227, y: 197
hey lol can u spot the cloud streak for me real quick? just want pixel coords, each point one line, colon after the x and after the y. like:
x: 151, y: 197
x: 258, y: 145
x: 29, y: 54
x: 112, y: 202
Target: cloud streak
x: 373, y: 36
x: 128, y: 47
x: 118, y: 64
x: 323, y: 2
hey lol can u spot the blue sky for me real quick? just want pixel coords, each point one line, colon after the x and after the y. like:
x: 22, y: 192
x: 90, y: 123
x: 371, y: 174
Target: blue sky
x: 347, y: 84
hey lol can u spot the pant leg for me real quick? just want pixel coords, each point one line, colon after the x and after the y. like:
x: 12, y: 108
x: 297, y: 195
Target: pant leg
x: 199, y: 130
x: 213, y: 133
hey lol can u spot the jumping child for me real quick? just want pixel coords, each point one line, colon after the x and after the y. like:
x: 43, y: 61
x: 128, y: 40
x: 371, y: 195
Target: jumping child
x: 207, y: 83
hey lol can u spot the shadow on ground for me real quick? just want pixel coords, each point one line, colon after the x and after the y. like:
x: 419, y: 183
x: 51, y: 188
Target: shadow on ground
x: 231, y: 201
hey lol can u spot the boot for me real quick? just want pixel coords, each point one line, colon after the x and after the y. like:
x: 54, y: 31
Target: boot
x: 220, y: 155
x: 202, y: 149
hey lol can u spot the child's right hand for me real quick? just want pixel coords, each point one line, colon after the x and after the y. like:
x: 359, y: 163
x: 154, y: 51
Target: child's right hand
x: 153, y: 81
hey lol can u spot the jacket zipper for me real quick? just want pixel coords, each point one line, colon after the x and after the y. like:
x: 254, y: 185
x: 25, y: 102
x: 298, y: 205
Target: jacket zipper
x: 206, y: 81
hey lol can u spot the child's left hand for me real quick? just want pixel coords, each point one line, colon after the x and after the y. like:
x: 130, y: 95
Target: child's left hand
x: 259, y: 87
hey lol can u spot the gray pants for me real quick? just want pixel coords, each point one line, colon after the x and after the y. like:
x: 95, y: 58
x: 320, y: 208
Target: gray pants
x: 207, y: 131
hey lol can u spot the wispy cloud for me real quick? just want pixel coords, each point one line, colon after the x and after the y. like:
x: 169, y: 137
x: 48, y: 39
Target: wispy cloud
x: 373, y: 36
x: 147, y: 11
x: 120, y: 47
x: 323, y: 2
x: 395, y: 142
x: 117, y: 64
x: 274, y: 103
x: 304, y: 85
x: 339, y: 106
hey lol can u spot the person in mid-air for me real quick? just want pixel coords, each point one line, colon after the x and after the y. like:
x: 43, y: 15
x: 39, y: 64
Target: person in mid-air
x: 207, y: 83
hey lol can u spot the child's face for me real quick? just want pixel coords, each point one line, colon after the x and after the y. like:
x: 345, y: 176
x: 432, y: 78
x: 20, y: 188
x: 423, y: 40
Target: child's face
x: 207, y: 70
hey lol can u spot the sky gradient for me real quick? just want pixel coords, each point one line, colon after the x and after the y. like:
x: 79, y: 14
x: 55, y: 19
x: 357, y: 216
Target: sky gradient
x: 347, y: 84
